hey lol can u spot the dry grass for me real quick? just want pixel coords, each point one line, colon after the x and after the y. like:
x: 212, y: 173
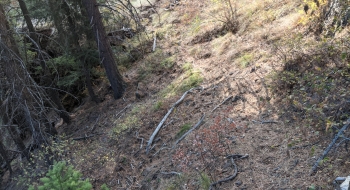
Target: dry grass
x: 239, y: 65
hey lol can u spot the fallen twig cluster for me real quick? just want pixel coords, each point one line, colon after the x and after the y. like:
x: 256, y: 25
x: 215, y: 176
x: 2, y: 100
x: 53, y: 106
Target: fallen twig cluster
x: 231, y: 177
x: 150, y: 141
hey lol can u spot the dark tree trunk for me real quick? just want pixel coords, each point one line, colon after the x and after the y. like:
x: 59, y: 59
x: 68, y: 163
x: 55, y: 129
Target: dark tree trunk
x: 29, y: 23
x: 46, y: 79
x: 9, y: 53
x: 3, y: 154
x: 106, y: 54
x: 75, y: 40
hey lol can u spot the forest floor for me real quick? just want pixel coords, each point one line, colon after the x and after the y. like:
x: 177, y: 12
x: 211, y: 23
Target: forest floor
x: 251, y: 107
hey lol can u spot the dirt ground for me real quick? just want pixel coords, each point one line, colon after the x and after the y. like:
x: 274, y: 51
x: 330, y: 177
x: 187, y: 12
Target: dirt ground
x: 237, y: 104
x: 242, y: 115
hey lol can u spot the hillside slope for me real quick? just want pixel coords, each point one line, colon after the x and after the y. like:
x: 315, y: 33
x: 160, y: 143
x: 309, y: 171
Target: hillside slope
x: 266, y: 86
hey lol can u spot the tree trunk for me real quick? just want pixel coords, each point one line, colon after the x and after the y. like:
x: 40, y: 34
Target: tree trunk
x: 46, y: 78
x: 9, y: 53
x: 106, y: 54
x: 29, y: 23
x: 75, y: 39
x: 3, y: 154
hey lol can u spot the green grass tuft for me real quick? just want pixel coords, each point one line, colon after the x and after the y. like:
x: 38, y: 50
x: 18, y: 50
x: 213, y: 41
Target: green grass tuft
x: 183, y: 130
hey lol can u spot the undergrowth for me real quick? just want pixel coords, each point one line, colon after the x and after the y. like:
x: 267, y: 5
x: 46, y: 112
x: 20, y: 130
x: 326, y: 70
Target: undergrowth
x: 41, y: 159
x: 189, y: 79
x: 130, y: 120
x: 155, y: 63
x: 209, y: 148
x: 313, y: 86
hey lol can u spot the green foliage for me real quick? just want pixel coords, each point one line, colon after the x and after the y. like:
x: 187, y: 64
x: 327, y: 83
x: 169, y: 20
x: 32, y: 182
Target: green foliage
x: 69, y: 69
x: 190, y: 79
x: 311, y: 10
x: 324, y: 160
x: 63, y: 177
x: 38, y: 9
x: 156, y: 62
x: 311, y: 187
x: 40, y: 160
x: 130, y: 120
x: 168, y: 62
x: 204, y: 181
x: 196, y: 24
x: 194, y: 79
x: 183, y: 130
x: 187, y: 67
x: 157, y: 105
x: 104, y: 187
x: 245, y: 60
x: 312, y: 151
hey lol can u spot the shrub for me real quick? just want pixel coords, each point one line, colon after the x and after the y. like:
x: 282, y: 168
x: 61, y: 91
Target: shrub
x: 63, y: 177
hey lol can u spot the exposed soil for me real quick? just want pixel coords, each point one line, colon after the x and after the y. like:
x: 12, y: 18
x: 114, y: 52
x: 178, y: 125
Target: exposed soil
x: 281, y: 152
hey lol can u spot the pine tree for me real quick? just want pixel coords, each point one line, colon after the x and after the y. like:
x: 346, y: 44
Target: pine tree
x: 63, y: 177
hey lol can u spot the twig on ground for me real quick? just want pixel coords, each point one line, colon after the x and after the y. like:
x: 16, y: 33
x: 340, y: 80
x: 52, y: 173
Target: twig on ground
x: 264, y: 122
x: 154, y: 10
x: 154, y: 43
x: 122, y: 110
x: 170, y: 173
x: 325, y: 152
x: 189, y: 131
x: 216, y: 107
x: 86, y: 137
x: 161, y: 148
x: 231, y: 177
x: 150, y: 141
x: 137, y: 137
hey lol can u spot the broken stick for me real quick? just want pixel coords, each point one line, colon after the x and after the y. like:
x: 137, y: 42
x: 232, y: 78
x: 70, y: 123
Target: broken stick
x: 216, y: 107
x: 189, y: 131
x: 325, y: 152
x: 164, y: 118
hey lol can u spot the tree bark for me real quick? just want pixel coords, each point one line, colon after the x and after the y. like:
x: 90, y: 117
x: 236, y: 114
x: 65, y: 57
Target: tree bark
x: 46, y: 78
x: 106, y: 54
x: 8, y: 57
x: 3, y: 153
x: 29, y: 23
x: 75, y: 40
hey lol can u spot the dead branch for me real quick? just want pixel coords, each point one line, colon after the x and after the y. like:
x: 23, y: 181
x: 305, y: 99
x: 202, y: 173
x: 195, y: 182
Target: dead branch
x: 161, y: 148
x: 154, y: 10
x: 154, y: 43
x: 122, y: 110
x: 189, y: 131
x: 86, y: 137
x: 164, y: 118
x: 170, y: 173
x: 139, y: 138
x: 231, y: 177
x: 216, y: 107
x: 325, y: 152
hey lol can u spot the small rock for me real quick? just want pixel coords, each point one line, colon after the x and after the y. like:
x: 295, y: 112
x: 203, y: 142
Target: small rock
x: 238, y: 183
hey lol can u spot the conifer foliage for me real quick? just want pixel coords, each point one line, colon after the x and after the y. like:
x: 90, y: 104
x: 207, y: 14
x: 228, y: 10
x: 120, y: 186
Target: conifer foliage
x: 63, y: 177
